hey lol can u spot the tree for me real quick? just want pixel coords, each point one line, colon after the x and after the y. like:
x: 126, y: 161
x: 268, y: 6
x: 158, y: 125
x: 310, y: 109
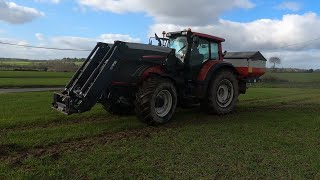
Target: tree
x: 274, y: 61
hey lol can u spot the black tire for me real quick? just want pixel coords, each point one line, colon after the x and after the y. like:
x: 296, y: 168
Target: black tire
x: 156, y: 101
x: 116, y: 108
x: 223, y: 93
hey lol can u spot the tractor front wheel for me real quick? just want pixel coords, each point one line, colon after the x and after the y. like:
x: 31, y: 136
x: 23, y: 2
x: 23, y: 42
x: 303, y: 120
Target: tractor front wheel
x: 222, y: 94
x: 156, y: 101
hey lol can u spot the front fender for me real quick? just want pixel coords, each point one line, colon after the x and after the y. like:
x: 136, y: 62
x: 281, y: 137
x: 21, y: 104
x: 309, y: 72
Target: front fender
x: 145, y: 71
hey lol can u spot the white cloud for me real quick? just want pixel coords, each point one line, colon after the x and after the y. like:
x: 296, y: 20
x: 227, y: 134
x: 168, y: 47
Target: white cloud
x: 289, y: 5
x: 167, y: 11
x: 110, y: 38
x: 263, y: 34
x: 89, y: 43
x: 64, y: 42
x: 15, y: 14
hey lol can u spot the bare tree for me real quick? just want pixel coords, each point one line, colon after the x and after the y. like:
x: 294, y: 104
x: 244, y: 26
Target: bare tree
x: 274, y: 61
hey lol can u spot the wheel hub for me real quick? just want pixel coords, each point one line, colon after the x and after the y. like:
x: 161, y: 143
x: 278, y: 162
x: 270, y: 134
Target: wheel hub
x: 163, y: 103
x: 225, y: 93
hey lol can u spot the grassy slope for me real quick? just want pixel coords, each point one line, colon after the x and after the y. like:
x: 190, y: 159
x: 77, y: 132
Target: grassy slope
x: 294, y: 80
x: 298, y: 77
x: 274, y: 134
x: 9, y: 79
x: 19, y: 63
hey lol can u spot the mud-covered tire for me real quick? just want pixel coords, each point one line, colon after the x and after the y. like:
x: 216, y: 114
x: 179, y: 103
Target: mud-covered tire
x: 116, y: 108
x: 156, y: 101
x: 223, y: 93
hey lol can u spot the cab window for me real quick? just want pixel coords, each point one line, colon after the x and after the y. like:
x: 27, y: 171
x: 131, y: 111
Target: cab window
x: 204, y: 49
x: 214, y: 50
x: 180, y: 45
x: 200, y: 52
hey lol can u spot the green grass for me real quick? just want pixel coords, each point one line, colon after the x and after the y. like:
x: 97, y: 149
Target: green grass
x: 274, y: 134
x: 34, y: 74
x: 19, y: 63
x: 10, y: 79
x: 78, y: 63
x: 298, y: 77
x: 29, y: 63
x: 291, y: 80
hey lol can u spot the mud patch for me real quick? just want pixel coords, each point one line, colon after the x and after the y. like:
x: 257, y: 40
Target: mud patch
x: 9, y: 148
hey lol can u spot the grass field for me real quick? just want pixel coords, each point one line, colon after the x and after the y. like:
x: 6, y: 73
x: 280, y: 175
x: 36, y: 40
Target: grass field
x: 274, y: 134
x: 28, y: 63
x: 11, y: 79
x: 292, y: 80
x: 19, y: 63
x: 298, y: 77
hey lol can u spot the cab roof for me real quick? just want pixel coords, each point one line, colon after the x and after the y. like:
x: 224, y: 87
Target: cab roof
x: 207, y: 36
x: 202, y: 35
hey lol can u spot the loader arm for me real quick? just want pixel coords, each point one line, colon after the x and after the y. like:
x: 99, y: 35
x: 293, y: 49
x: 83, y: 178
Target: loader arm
x: 90, y: 81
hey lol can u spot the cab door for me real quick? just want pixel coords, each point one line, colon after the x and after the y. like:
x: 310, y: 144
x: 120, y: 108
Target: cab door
x: 200, y: 53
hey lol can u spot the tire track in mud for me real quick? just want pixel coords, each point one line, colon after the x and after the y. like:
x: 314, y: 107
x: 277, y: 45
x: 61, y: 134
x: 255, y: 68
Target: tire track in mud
x: 14, y: 154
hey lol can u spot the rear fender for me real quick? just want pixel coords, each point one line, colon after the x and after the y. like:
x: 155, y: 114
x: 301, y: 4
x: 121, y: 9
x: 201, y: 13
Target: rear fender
x: 208, y: 71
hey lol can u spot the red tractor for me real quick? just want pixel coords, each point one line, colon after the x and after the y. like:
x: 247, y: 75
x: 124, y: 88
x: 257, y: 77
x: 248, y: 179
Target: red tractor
x: 186, y: 67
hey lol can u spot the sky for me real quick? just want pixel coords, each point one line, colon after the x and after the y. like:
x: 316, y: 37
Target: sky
x: 286, y: 29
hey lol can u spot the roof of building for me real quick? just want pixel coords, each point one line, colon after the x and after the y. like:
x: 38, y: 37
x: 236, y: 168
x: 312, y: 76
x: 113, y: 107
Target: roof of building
x: 245, y: 55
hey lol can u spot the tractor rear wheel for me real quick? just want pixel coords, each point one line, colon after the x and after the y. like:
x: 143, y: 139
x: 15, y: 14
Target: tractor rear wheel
x: 222, y: 94
x: 156, y: 101
x: 116, y: 108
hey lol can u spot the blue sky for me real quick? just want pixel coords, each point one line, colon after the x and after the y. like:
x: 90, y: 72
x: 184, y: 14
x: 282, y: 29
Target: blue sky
x: 246, y: 24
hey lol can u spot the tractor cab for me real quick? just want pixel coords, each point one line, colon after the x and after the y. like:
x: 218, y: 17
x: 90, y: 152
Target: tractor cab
x: 194, y: 49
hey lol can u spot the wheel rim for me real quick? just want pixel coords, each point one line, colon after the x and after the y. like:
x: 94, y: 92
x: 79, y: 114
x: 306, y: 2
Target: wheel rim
x: 163, y: 103
x: 225, y: 93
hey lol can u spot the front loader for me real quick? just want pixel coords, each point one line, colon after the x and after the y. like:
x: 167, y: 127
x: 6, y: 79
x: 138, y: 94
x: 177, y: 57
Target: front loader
x: 153, y: 80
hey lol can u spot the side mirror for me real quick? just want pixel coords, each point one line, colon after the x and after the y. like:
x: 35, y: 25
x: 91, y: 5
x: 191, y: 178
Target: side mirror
x: 224, y: 53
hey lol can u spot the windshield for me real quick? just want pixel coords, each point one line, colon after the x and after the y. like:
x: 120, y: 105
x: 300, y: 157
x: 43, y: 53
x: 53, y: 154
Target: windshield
x: 180, y: 45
